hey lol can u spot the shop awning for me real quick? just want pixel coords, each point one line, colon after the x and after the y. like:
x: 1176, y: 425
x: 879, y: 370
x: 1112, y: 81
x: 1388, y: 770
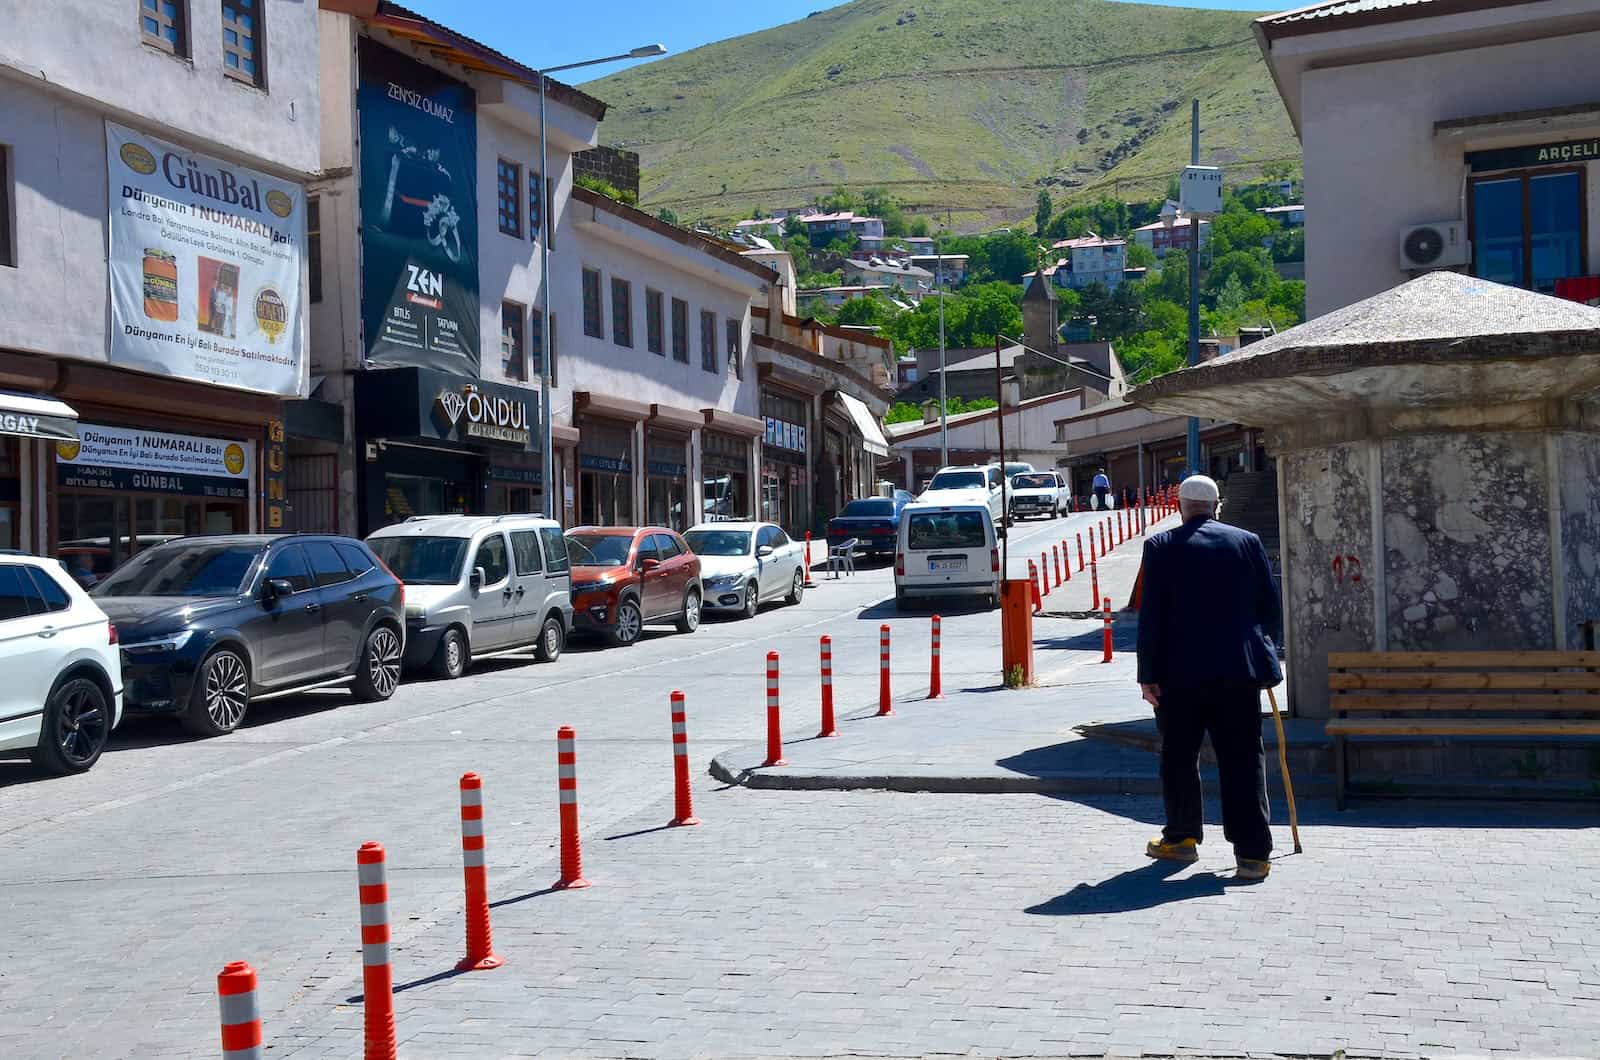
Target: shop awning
x: 37, y: 417
x: 872, y: 439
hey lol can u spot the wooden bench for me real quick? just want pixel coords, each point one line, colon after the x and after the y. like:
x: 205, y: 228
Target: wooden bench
x: 1407, y: 694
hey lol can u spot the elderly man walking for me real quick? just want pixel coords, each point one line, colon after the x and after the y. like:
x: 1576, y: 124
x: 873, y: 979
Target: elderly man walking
x: 1208, y: 623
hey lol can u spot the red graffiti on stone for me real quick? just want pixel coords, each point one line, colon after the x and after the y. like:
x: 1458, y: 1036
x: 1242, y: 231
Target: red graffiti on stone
x: 1347, y: 564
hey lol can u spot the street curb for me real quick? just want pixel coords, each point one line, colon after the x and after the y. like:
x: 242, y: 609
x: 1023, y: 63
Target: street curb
x: 780, y: 779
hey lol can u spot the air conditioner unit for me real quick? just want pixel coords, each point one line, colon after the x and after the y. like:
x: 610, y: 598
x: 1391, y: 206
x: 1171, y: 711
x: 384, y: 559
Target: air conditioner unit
x: 1437, y: 245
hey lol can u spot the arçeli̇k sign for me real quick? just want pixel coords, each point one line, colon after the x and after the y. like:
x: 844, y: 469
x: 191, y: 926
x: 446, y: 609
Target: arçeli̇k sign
x: 488, y: 417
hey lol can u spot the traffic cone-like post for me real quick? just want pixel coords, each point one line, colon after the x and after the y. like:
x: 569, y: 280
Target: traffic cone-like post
x: 1091, y: 544
x: 774, y: 723
x: 1044, y: 573
x: 1094, y: 585
x: 885, y: 701
x: 377, y: 974
x: 1121, y: 535
x: 1080, y: 549
x: 480, y: 938
x: 1055, y: 559
x: 1066, y: 559
x: 1107, y: 638
x: 828, y: 727
x: 682, y: 797
x: 935, y: 685
x: 809, y: 584
x: 241, y: 1014
x: 567, y: 785
x: 1033, y: 588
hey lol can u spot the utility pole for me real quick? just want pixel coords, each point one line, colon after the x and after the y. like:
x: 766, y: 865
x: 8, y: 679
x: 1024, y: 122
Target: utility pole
x: 1000, y: 426
x: 1193, y: 455
x: 944, y: 424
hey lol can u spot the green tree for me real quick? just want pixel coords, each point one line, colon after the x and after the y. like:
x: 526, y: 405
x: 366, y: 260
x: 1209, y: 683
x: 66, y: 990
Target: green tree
x: 1140, y: 256
x: 1172, y: 283
x: 1252, y: 268
x: 902, y: 412
x: 793, y: 226
x: 1041, y: 215
x: 918, y: 227
x: 667, y: 214
x: 873, y: 309
x: 1238, y: 227
x: 1289, y: 245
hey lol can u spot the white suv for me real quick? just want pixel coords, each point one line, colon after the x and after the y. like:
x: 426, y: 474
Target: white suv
x: 62, y: 690
x: 970, y: 484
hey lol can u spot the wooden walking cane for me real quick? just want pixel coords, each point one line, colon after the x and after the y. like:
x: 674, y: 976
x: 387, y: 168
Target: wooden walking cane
x: 1283, y: 761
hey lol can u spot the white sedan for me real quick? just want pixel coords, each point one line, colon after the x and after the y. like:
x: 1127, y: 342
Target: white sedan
x: 743, y: 565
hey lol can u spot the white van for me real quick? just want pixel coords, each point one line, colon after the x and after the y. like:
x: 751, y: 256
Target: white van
x: 946, y: 550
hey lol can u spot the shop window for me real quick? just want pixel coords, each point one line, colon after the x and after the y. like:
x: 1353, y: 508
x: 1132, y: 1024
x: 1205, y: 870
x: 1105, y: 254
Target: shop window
x: 243, y: 41
x: 508, y: 197
x: 289, y: 564
x: 680, y: 330
x: 708, y: 340
x: 314, y: 248
x: 10, y: 493
x: 525, y: 550
x: 326, y: 566
x: 164, y: 24
x: 653, y: 339
x: 513, y: 352
x: 1528, y: 228
x: 536, y: 344
x: 492, y: 558
x: 734, y: 364
x: 592, y: 324
x: 621, y: 312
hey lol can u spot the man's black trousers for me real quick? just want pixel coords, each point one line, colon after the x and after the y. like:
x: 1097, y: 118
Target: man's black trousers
x: 1231, y: 714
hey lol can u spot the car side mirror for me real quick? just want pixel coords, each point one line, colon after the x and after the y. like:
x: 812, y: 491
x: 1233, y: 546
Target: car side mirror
x: 764, y: 551
x: 273, y: 588
x: 479, y: 576
x: 649, y: 564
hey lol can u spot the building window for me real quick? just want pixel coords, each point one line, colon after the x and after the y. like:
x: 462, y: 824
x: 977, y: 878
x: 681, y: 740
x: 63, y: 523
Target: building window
x: 508, y: 194
x: 680, y: 330
x: 621, y: 312
x: 242, y: 38
x: 708, y: 340
x: 314, y: 247
x: 513, y: 353
x: 164, y: 24
x: 535, y: 206
x: 734, y: 364
x: 653, y: 338
x: 8, y: 251
x: 536, y: 340
x: 1528, y: 228
x: 593, y: 326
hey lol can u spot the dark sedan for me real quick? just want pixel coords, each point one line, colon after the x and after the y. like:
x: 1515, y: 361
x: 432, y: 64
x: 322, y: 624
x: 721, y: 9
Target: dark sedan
x: 209, y: 624
x: 873, y: 522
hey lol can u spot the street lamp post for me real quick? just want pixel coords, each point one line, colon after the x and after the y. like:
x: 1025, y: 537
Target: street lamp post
x: 547, y: 465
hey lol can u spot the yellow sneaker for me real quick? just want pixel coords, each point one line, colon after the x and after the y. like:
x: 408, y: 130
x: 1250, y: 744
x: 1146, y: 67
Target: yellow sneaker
x: 1183, y: 850
x: 1253, y: 869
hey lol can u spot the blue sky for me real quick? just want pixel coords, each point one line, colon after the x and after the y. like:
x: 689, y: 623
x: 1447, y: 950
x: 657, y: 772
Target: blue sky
x: 551, y: 32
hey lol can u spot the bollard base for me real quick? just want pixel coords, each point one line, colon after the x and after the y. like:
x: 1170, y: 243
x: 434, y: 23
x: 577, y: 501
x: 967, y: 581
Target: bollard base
x: 884, y: 712
x: 771, y: 762
x: 467, y: 964
x: 577, y: 884
x: 825, y: 733
x: 682, y: 822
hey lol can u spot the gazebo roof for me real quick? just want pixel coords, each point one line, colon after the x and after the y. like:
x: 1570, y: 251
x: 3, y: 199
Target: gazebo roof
x: 1441, y: 339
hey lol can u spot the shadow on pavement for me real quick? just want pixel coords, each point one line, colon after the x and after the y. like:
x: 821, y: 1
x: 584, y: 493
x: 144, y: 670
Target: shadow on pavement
x: 925, y: 606
x: 1142, y: 888
x: 436, y: 977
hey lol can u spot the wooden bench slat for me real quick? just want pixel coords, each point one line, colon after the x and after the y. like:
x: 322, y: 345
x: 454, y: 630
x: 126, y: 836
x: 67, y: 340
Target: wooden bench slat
x: 1440, y: 679
x: 1462, y: 727
x: 1471, y: 702
x: 1478, y: 660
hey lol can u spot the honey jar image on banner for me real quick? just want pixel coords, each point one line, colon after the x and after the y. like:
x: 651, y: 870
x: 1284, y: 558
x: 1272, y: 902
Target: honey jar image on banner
x: 160, y: 284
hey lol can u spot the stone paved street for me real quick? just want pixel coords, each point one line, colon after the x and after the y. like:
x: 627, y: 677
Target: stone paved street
x: 791, y: 923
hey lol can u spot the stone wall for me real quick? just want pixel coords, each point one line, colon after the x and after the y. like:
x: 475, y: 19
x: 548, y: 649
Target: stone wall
x: 1579, y: 460
x: 1329, y: 563
x: 613, y: 165
x: 1467, y: 542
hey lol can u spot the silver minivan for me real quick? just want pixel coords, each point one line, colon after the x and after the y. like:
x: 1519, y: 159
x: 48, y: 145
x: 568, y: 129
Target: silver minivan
x: 479, y: 586
x: 946, y: 550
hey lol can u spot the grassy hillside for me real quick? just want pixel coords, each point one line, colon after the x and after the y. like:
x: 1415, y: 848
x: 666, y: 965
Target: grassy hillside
x: 965, y: 107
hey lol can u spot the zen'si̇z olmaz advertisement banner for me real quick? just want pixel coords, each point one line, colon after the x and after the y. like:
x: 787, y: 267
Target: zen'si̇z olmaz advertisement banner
x: 205, y: 266
x: 419, y: 214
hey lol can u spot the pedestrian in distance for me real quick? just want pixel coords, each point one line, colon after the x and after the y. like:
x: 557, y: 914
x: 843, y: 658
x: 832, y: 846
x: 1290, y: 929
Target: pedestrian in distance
x: 1102, y: 490
x: 1209, y: 623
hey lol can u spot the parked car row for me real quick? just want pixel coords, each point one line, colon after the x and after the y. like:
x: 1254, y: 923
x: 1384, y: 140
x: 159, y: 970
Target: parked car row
x: 200, y: 628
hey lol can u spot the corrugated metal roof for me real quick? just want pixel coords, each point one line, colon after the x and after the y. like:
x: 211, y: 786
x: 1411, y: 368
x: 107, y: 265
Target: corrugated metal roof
x: 1332, y: 14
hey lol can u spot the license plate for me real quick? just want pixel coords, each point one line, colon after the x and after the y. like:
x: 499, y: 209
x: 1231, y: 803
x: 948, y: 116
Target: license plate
x: 947, y: 566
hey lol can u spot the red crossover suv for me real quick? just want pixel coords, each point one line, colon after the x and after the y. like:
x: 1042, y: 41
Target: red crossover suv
x: 623, y: 577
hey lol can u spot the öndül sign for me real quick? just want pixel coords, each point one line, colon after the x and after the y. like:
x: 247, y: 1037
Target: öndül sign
x: 419, y: 214
x: 487, y: 417
x: 205, y: 266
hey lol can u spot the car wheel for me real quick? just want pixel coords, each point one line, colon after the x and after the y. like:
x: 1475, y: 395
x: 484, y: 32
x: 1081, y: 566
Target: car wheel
x: 629, y: 624
x: 221, y: 695
x: 378, y: 673
x: 752, y: 600
x: 451, y: 657
x: 689, y: 617
x: 77, y: 723
x: 797, y: 589
x: 552, y: 638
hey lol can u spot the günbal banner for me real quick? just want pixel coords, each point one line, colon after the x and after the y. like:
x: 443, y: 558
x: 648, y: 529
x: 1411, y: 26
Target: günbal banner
x: 205, y: 266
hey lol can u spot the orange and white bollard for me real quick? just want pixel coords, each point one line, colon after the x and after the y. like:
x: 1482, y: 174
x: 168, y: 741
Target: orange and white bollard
x: 1091, y: 544
x: 1094, y: 585
x: 828, y: 727
x: 1080, y: 549
x: 774, y: 723
x: 1066, y: 559
x: 1055, y: 560
x: 480, y: 938
x: 1105, y: 541
x: 935, y: 685
x: 377, y: 974
x: 1044, y: 573
x: 1033, y: 588
x: 885, y: 701
x: 241, y: 1015
x: 1107, y: 640
x: 682, y: 797
x: 809, y: 584
x: 567, y: 785
x: 1121, y: 535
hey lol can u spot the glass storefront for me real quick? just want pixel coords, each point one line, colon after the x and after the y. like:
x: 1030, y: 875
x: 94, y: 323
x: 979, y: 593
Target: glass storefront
x: 10, y: 492
x: 725, y: 461
x: 783, y: 470
x: 514, y: 484
x: 605, y: 473
x: 667, y: 479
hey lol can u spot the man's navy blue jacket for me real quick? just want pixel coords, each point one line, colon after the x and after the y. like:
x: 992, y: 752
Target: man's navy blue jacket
x: 1209, y: 610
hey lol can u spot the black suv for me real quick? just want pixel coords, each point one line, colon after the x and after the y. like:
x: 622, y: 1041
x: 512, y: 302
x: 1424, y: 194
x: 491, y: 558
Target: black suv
x: 209, y: 623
